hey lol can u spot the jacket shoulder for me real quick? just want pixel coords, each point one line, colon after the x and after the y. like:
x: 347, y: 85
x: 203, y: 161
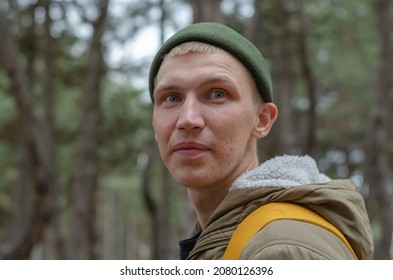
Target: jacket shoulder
x: 295, y: 240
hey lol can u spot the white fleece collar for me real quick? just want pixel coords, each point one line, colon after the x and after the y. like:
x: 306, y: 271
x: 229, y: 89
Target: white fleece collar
x: 283, y: 171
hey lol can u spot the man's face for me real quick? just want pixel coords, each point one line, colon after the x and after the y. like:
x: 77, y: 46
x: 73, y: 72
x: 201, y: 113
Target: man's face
x: 205, y: 119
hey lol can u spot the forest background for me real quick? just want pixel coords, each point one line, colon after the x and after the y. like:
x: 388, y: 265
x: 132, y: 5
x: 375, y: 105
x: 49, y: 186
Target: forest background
x: 80, y: 176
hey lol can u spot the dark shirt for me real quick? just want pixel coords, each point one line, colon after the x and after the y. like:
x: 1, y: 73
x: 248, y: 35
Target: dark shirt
x: 187, y: 245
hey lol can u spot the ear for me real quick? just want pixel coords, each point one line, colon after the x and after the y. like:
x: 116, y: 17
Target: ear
x: 266, y: 116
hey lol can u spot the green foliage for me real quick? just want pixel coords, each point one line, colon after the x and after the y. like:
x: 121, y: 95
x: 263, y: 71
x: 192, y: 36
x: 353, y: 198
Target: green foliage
x: 126, y: 126
x: 344, y: 62
x: 8, y: 136
x: 8, y: 144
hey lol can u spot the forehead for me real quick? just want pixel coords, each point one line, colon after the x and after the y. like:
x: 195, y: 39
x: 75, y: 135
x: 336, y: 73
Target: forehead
x: 192, y: 66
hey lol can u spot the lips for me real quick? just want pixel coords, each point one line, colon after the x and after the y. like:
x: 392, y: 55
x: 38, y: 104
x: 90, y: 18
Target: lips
x: 189, y: 149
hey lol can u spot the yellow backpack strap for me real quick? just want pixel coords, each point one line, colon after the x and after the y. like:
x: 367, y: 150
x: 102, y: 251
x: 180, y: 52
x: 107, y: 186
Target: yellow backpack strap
x: 275, y: 211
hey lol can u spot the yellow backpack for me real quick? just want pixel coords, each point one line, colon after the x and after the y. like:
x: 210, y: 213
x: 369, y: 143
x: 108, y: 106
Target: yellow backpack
x: 275, y: 211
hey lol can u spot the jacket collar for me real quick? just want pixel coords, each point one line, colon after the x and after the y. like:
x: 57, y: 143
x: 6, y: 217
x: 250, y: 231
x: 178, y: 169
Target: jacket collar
x: 284, y: 172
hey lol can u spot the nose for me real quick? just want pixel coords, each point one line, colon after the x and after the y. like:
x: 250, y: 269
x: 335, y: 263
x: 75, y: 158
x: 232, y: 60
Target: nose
x: 191, y: 115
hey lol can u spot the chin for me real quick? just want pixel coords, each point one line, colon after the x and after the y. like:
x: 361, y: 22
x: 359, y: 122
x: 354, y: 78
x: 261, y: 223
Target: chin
x: 192, y: 182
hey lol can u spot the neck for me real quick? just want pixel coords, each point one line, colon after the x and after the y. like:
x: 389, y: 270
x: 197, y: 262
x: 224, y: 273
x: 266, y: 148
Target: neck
x: 206, y: 199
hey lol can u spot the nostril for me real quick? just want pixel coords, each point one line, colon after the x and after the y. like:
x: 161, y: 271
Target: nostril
x: 190, y: 123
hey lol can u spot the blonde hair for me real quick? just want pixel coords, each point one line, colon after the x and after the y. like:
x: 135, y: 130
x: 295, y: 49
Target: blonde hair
x: 193, y: 46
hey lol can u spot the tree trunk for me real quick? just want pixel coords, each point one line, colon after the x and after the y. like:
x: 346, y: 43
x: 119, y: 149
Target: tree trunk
x: 152, y: 206
x: 376, y: 166
x: 309, y: 81
x: 206, y: 10
x: 53, y: 240
x: 252, y: 29
x: 165, y: 243
x: 87, y: 161
x: 283, y: 73
x: 22, y: 245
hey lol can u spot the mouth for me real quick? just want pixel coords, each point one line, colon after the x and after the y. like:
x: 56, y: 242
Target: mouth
x: 189, y: 149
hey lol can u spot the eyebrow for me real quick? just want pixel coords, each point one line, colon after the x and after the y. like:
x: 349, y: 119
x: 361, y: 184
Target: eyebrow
x: 173, y: 84
x: 170, y: 86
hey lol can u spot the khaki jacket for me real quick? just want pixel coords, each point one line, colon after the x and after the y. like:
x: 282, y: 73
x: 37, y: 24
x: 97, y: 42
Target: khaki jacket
x: 282, y: 179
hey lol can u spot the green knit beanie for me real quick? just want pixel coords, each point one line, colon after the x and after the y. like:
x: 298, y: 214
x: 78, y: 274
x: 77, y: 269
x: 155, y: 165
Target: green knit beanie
x: 227, y: 39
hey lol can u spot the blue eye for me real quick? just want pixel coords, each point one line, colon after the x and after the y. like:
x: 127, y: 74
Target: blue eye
x: 217, y: 94
x: 171, y: 98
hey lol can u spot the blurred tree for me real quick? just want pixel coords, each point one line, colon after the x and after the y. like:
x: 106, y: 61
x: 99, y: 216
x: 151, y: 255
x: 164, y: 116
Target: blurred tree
x: 206, y: 10
x: 85, y: 179
x: 377, y: 170
x: 39, y: 164
x: 309, y: 79
x: 282, y: 57
x: 53, y: 237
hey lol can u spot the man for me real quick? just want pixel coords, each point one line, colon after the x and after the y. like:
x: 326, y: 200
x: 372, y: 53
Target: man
x: 212, y: 95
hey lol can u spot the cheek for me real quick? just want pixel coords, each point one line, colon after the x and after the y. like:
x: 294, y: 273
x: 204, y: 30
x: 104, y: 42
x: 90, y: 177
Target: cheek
x: 160, y: 132
x: 240, y: 128
x: 162, y: 143
x: 235, y: 136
